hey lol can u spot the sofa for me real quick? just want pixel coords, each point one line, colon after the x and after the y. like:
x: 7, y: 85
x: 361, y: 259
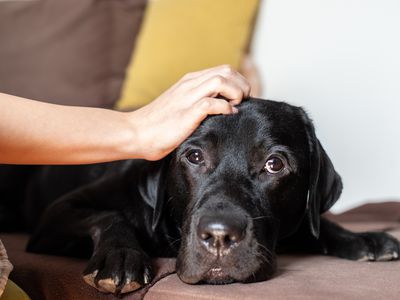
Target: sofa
x: 299, y: 276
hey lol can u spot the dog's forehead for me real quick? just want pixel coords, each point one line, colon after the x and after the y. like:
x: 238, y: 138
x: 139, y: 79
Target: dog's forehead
x: 258, y: 121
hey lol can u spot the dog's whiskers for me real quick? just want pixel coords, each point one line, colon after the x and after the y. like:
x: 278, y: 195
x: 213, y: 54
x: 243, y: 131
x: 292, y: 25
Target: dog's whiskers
x: 254, y: 275
x: 267, y: 251
x: 259, y: 217
x: 263, y: 258
x: 173, y: 242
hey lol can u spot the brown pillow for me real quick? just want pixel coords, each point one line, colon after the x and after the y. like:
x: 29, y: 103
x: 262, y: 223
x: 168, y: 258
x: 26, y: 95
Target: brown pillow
x: 67, y: 51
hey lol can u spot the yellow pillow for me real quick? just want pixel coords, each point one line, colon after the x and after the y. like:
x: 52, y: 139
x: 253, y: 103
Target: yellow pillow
x: 181, y: 36
x: 13, y: 292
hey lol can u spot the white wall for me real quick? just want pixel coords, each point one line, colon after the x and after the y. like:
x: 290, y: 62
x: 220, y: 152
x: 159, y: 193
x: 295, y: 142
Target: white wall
x: 340, y: 59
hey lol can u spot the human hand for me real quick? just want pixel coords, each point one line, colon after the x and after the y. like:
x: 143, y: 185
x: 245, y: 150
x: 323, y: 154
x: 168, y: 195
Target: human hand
x: 165, y: 123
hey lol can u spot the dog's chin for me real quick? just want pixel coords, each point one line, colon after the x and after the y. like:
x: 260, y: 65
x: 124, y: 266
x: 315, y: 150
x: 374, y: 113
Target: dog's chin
x: 218, y: 275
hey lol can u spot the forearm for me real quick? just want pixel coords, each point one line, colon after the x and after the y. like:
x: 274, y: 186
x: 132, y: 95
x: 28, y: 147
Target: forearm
x: 55, y: 134
x: 33, y: 132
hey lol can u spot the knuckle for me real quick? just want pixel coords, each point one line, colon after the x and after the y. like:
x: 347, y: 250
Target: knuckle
x: 206, y: 104
x: 218, y: 80
x: 187, y: 76
x: 184, y: 84
x: 238, y: 94
x: 228, y: 70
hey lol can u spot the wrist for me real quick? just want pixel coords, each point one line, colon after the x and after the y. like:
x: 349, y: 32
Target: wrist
x: 130, y: 146
x: 144, y: 136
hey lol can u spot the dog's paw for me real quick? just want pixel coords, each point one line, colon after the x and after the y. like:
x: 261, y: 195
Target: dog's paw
x: 369, y: 246
x: 118, y: 271
x: 379, y: 246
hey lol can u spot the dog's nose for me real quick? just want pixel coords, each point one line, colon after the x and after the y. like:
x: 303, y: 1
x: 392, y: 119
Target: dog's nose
x: 219, y: 233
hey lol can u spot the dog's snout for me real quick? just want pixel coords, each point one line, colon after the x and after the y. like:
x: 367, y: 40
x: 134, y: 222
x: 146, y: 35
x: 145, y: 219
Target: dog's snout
x: 220, y: 233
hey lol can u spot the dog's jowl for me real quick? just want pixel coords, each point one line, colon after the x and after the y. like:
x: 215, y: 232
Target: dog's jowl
x: 240, y: 189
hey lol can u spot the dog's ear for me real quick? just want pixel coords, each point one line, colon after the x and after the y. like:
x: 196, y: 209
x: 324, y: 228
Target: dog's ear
x: 325, y: 184
x: 152, y: 187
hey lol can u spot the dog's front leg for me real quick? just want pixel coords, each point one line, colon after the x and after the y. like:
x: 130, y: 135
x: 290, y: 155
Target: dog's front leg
x: 365, y: 246
x: 118, y: 264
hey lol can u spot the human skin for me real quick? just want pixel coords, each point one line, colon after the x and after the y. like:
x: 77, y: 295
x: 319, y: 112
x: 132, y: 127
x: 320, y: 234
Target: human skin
x: 33, y: 132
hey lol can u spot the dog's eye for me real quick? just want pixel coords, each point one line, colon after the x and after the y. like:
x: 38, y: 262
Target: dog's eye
x: 195, y: 157
x: 274, y: 165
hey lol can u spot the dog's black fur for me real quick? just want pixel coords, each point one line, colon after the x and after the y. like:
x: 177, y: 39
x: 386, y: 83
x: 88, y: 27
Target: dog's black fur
x: 241, y: 188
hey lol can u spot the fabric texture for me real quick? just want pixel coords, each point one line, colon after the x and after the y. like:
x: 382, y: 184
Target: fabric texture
x: 67, y: 51
x: 181, y: 36
x: 299, y: 276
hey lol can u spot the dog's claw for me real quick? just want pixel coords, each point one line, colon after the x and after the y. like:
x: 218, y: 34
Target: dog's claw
x: 388, y: 256
x: 130, y: 287
x: 118, y: 271
x: 364, y: 258
x: 383, y: 257
x: 146, y: 279
x: 110, y: 285
x: 371, y: 257
x: 147, y: 275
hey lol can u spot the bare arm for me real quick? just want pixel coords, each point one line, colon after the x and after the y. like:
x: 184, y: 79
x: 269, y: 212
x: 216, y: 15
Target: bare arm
x: 33, y: 132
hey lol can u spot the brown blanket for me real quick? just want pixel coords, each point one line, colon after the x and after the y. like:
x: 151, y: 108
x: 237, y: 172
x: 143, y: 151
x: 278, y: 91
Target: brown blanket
x: 300, y: 277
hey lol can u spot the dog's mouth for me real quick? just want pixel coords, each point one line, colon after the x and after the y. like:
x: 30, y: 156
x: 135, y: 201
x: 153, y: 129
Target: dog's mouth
x: 207, y: 269
x: 217, y: 275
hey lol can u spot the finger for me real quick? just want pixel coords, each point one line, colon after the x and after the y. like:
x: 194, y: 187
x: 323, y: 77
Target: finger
x: 226, y: 71
x: 239, y: 79
x: 231, y: 74
x: 219, y: 85
x: 204, y: 107
x: 213, y: 106
x: 206, y: 72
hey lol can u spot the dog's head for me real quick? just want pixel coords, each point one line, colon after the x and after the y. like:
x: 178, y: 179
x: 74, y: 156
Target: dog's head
x: 242, y: 182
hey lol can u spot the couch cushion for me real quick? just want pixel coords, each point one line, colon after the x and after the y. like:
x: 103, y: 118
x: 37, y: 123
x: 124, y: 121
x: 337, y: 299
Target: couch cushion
x: 311, y: 277
x: 45, y: 277
x: 181, y: 36
x: 67, y: 51
x: 299, y: 276
x: 13, y: 292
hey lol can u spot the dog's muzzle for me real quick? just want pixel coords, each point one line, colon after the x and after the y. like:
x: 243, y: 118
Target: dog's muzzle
x: 221, y: 246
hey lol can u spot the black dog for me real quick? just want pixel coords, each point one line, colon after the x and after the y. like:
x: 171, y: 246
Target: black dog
x: 241, y: 188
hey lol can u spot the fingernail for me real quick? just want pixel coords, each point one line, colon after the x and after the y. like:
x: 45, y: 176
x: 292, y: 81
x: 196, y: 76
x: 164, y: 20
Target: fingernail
x: 234, y: 110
